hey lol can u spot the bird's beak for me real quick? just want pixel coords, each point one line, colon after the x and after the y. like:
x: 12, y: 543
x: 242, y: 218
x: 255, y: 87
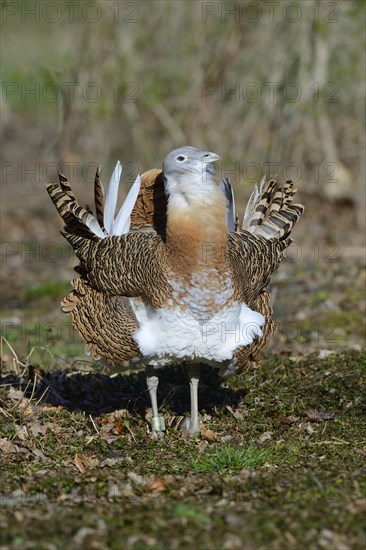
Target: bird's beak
x: 210, y: 157
x: 207, y: 160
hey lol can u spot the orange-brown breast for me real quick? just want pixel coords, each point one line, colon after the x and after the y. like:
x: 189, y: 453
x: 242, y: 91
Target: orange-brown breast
x: 196, y: 238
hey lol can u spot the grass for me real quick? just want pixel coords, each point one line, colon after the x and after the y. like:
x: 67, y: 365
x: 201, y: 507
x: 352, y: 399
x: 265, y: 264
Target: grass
x: 229, y: 460
x: 280, y: 468
x: 189, y: 513
x: 49, y: 289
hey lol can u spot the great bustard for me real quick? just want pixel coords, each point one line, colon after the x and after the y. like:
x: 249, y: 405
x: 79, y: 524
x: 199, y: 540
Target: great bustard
x: 172, y: 278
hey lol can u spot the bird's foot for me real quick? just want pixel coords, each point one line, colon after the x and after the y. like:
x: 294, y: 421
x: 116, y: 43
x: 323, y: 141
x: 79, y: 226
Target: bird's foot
x: 158, y: 425
x: 192, y: 427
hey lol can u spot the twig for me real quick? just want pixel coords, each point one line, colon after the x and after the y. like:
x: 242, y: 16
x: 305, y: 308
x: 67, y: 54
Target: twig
x: 92, y: 420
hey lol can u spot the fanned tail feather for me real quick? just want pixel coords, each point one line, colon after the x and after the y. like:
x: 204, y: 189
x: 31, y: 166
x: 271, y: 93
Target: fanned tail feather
x: 65, y: 185
x: 77, y: 220
x: 271, y: 212
x: 81, y: 222
x: 99, y: 197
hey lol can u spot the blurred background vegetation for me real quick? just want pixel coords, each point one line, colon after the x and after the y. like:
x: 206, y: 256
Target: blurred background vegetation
x: 255, y: 81
x: 273, y: 87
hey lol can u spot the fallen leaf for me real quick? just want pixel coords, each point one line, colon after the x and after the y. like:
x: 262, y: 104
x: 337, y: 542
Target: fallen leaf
x: 121, y: 413
x: 79, y: 464
x: 118, y: 426
x: 309, y: 429
x: 6, y: 446
x: 238, y: 415
x: 291, y: 539
x: 356, y: 506
x: 324, y: 353
x: 208, y: 434
x: 40, y: 455
x: 21, y: 432
x: 109, y: 462
x: 318, y: 416
x: 52, y: 408
x: 15, y: 395
x: 136, y: 478
x: 296, y: 358
x: 202, y: 446
x: 36, y: 429
x: 266, y: 436
x: 106, y: 427
x: 330, y: 540
x: 226, y: 438
x: 89, y: 461
x: 156, y: 486
x: 288, y: 420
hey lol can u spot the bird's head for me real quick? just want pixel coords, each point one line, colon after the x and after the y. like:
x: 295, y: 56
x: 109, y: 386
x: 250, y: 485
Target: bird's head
x: 189, y: 173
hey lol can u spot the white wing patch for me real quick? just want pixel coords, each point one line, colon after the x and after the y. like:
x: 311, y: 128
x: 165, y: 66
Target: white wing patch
x: 120, y: 224
x: 111, y: 198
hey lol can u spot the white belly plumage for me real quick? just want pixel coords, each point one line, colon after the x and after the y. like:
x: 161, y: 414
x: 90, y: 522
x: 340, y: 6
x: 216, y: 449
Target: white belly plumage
x: 168, y: 334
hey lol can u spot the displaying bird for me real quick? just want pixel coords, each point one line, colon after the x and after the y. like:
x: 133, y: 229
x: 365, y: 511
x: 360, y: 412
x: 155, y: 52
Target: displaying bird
x: 172, y: 279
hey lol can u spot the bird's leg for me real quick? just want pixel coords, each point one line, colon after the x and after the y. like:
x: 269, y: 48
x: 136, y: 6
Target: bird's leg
x: 152, y: 381
x: 193, y: 374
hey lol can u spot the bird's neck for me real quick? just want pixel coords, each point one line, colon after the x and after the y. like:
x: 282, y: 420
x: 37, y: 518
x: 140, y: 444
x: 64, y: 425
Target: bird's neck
x: 196, y: 232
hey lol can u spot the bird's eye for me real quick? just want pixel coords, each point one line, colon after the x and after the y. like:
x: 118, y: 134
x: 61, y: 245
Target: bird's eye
x: 181, y: 158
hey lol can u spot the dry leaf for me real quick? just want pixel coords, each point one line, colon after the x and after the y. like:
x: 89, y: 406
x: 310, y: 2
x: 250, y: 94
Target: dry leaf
x: 208, y: 434
x: 226, y: 438
x: 118, y: 426
x: 6, y: 446
x: 156, y: 486
x: 357, y: 506
x: 38, y: 453
x: 87, y: 461
x: 309, y: 429
x: 52, y: 408
x: 288, y: 420
x: 79, y: 464
x: 136, y: 478
x: 266, y: 436
x: 324, y: 353
x: 291, y: 539
x: 15, y: 395
x: 318, y: 416
x: 36, y: 429
x: 236, y: 414
x: 21, y: 432
x: 106, y: 427
x: 109, y: 462
x: 121, y: 413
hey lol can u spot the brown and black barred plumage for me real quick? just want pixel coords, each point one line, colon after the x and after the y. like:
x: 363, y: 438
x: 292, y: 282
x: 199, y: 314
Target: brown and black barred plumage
x: 173, y: 277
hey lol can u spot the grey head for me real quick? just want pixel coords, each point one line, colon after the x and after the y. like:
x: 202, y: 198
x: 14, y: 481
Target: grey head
x: 188, y: 166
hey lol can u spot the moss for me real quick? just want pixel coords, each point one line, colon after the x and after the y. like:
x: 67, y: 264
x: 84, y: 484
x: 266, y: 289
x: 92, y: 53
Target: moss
x: 282, y: 492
